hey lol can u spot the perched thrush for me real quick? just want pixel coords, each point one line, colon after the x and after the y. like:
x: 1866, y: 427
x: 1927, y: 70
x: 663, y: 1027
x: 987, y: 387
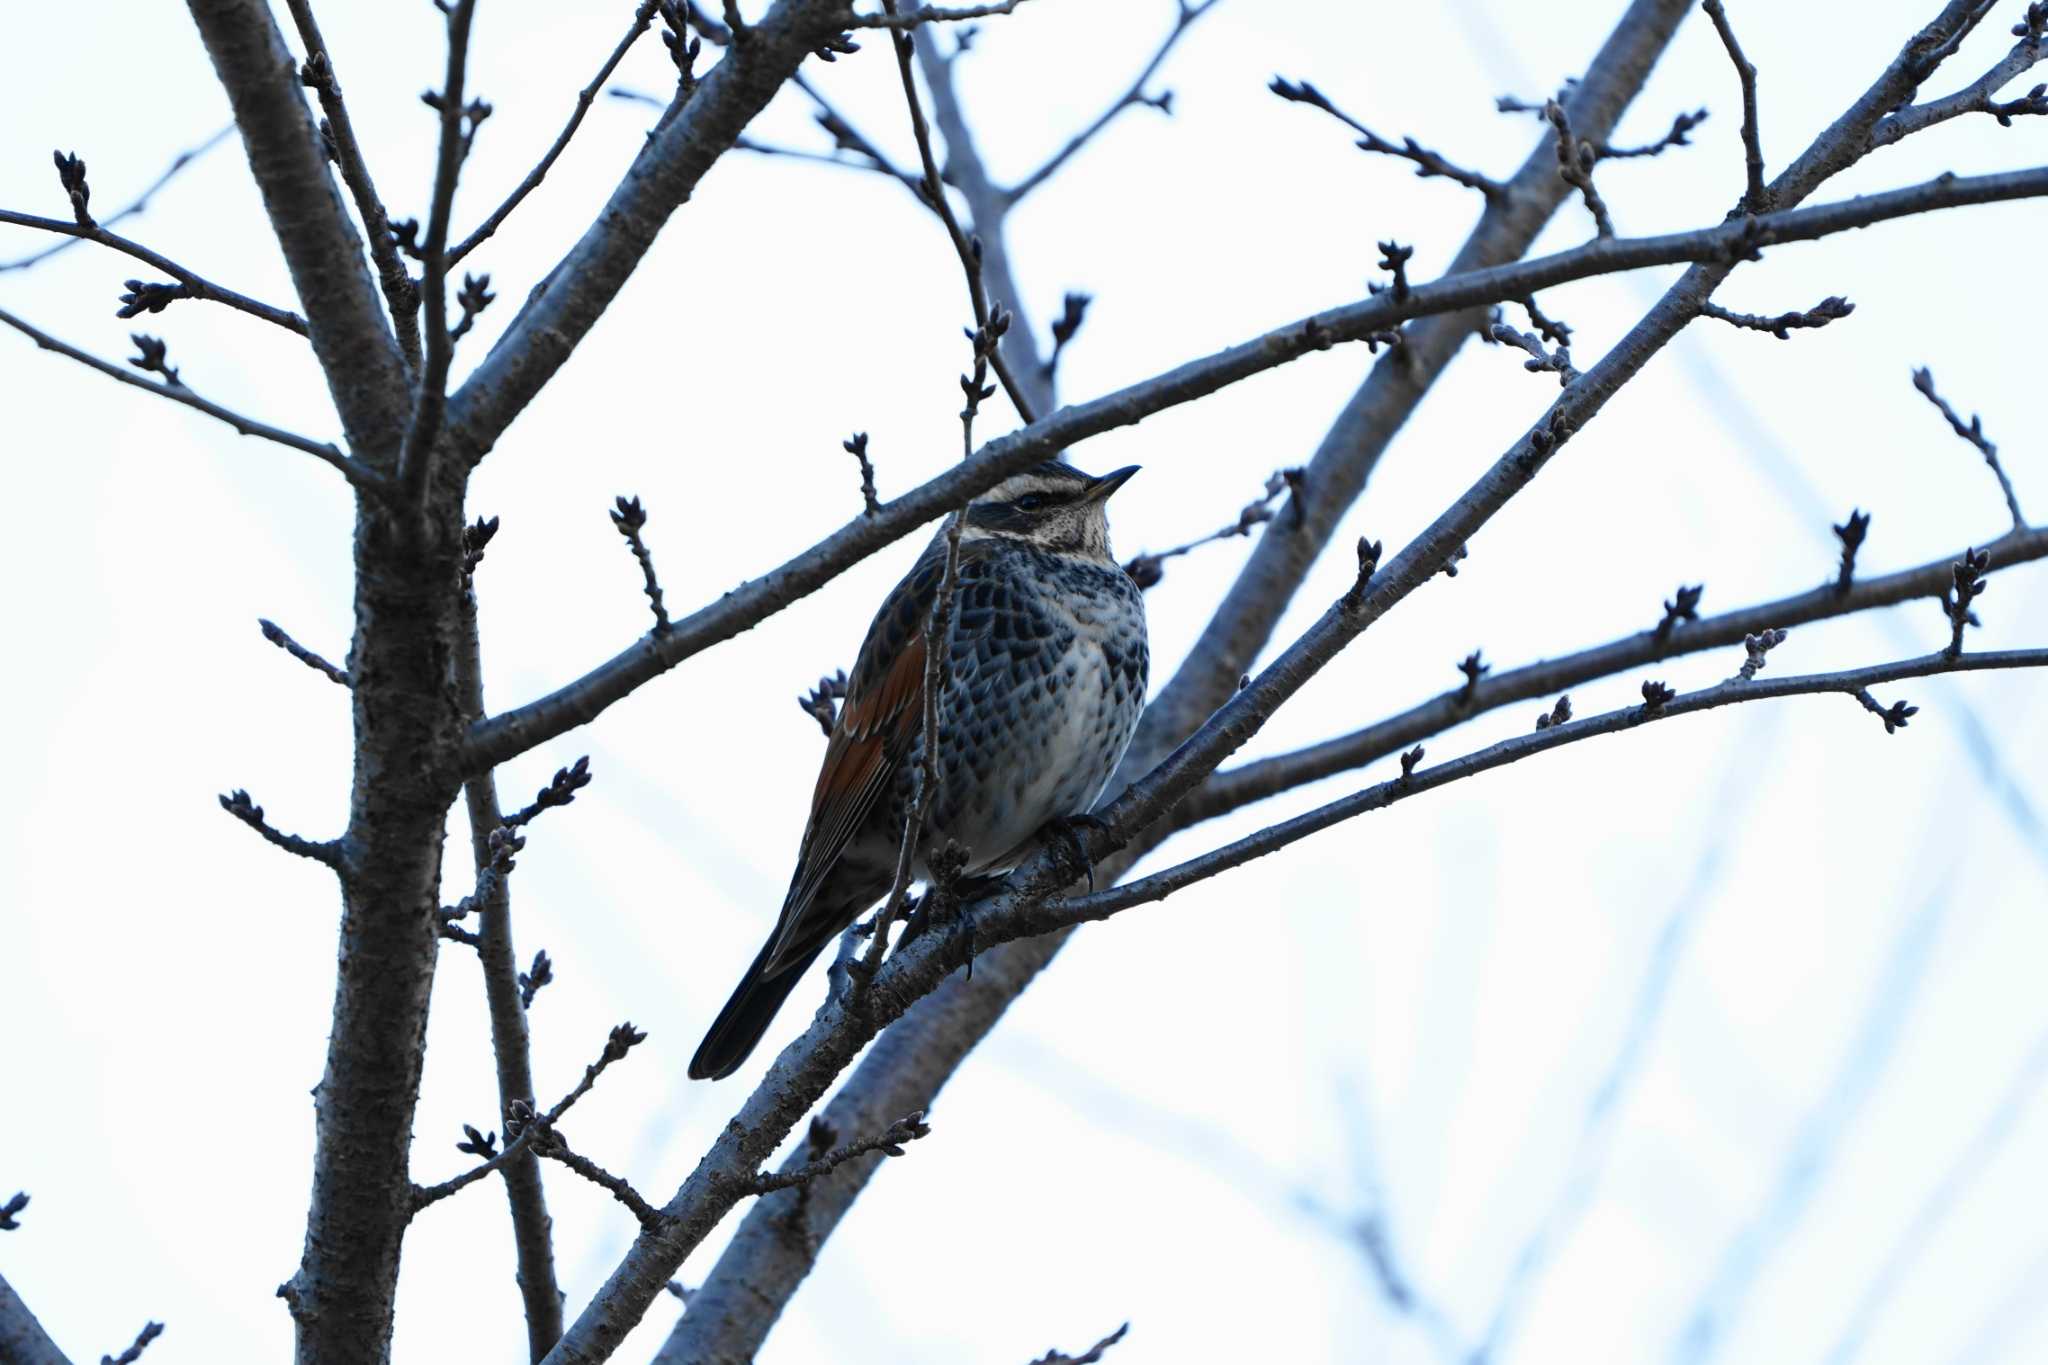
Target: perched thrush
x: 1043, y: 682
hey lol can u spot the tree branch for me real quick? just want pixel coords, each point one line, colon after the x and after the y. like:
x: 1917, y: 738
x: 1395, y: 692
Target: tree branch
x: 1973, y: 432
x: 642, y: 19
x: 152, y: 298
x: 1974, y: 98
x: 328, y: 852
x: 511, y: 1051
x: 137, y: 205
x: 511, y: 733
x: 1185, y: 15
x: 423, y: 432
x: 1852, y: 682
x: 1427, y: 163
x: 907, y: 1129
x: 1782, y: 325
x: 344, y: 320
x: 1755, y: 196
x: 664, y: 174
x: 401, y: 294
x: 22, y: 1339
x: 363, y: 478
x: 1234, y: 788
x: 276, y: 635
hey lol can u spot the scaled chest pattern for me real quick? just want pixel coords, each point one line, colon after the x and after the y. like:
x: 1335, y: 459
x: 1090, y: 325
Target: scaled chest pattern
x: 1046, y: 681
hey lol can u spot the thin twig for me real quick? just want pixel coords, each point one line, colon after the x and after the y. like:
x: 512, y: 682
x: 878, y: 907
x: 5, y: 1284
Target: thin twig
x: 1185, y: 16
x: 137, y: 205
x: 1427, y: 162
x: 356, y: 473
x: 1974, y: 98
x: 423, y: 432
x: 150, y: 1332
x: 907, y: 1129
x: 1782, y: 325
x: 401, y: 292
x: 275, y: 634
x: 153, y: 298
x: 1575, y: 161
x: 1147, y: 569
x: 642, y: 19
x: 631, y: 519
x: 1973, y: 432
x: 1755, y: 197
x: 932, y: 14
x: 934, y: 193
x: 327, y: 852
x: 1088, y: 1357
x: 1850, y: 682
x: 623, y: 1039
x: 1679, y: 136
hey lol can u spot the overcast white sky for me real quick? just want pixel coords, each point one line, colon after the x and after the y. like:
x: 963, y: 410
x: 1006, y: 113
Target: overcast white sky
x: 1738, y: 1022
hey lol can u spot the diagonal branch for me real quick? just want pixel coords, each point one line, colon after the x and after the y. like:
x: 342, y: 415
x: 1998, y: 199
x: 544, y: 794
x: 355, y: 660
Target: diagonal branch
x: 1974, y: 98
x: 423, y: 432
x: 1854, y: 683
x: 22, y: 1339
x: 153, y: 298
x: 401, y: 293
x: 139, y: 204
x: 1234, y: 788
x: 642, y: 19
x: 364, y: 369
x: 1755, y: 197
x: 1185, y: 15
x: 1973, y: 432
x: 364, y: 478
x: 510, y: 733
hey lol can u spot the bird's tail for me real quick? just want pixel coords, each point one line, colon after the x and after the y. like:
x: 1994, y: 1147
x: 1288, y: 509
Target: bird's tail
x: 746, y: 1016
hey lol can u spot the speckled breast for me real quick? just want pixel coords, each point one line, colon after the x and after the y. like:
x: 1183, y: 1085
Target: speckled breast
x: 1048, y: 670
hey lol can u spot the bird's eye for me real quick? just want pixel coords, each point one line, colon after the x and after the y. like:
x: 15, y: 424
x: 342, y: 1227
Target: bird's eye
x: 1031, y: 502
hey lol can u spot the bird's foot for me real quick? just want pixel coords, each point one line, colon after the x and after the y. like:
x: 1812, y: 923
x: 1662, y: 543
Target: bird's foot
x: 1066, y: 830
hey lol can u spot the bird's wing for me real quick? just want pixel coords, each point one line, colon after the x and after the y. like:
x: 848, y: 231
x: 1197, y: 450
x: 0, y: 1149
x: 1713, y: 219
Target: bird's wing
x: 878, y: 722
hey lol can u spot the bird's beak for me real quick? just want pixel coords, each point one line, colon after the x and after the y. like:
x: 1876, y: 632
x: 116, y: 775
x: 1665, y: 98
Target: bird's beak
x: 1110, y: 482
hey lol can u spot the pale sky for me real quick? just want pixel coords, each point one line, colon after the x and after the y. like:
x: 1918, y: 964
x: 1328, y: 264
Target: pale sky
x: 1737, y: 1021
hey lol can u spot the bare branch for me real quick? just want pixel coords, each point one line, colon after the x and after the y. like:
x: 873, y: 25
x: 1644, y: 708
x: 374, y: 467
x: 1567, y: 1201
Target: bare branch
x: 1185, y: 16
x: 856, y: 445
x: 1852, y: 682
x: 643, y: 17
x: 22, y: 1339
x: 401, y: 292
x: 328, y: 852
x: 631, y: 518
x: 1782, y: 325
x: 150, y: 1332
x: 135, y: 206
x: 1973, y: 432
x: 1558, y: 362
x: 1088, y: 1357
x: 1427, y: 163
x: 364, y: 478
x: 1755, y: 196
x: 1679, y: 136
x: 1235, y: 787
x: 458, y: 126
x: 8, y: 1221
x: 907, y: 1129
x: 1966, y: 583
x: 275, y: 634
x: 1575, y: 161
x: 511, y: 733
x: 550, y: 1144
x: 364, y: 368
x: 154, y: 298
x: 934, y: 194
x: 1147, y: 569
x: 1976, y: 97
x: 1850, y: 533
x: 930, y: 14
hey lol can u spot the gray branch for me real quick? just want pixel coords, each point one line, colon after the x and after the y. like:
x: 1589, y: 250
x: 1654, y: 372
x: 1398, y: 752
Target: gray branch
x: 1234, y: 788
x: 344, y: 319
x: 1160, y: 885
x: 329, y: 455
x: 191, y: 284
x: 22, y: 1339
x: 511, y: 733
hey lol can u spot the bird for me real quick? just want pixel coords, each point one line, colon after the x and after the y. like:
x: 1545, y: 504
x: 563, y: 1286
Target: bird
x: 1041, y: 689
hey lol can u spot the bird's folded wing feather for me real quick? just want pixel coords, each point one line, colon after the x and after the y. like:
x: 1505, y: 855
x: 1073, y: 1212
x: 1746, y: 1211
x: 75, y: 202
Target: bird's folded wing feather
x: 877, y: 724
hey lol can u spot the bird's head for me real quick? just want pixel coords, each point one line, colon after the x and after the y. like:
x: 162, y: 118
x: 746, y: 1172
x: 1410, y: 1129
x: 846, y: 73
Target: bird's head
x: 1053, y: 506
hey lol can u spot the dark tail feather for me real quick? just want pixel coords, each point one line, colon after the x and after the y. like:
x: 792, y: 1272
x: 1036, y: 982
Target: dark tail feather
x: 746, y: 1016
